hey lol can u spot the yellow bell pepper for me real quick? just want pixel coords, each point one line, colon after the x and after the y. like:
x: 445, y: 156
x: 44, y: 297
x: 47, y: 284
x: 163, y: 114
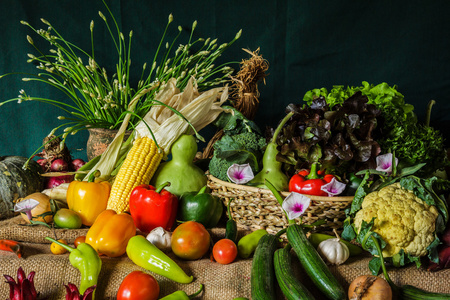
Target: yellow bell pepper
x: 111, y: 232
x: 89, y: 198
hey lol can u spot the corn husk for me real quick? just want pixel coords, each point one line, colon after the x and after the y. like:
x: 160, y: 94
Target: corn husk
x: 200, y: 109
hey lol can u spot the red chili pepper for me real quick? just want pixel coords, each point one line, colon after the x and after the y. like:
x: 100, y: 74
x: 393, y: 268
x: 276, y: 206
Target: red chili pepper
x: 11, y: 246
x: 309, y: 182
x: 153, y: 207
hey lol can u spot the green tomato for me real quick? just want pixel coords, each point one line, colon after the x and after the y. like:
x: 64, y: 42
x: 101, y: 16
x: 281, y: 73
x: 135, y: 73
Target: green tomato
x: 67, y: 218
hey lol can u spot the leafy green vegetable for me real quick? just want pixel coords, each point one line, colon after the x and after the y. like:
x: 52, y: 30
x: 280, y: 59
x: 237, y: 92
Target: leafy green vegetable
x: 342, y: 140
x: 412, y: 142
x: 232, y: 121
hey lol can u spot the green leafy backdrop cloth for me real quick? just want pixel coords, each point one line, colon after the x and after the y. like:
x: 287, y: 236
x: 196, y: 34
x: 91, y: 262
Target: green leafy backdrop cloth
x: 309, y: 44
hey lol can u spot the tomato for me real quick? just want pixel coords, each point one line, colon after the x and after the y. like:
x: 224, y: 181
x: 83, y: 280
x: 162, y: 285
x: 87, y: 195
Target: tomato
x: 138, y: 285
x: 190, y: 240
x: 79, y: 240
x: 57, y: 249
x: 225, y: 251
x: 67, y: 218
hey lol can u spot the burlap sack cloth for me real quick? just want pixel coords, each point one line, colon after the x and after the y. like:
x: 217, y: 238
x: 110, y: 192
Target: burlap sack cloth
x: 220, y: 281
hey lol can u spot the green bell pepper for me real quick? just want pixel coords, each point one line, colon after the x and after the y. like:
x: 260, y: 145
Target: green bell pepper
x: 86, y: 260
x: 181, y: 295
x: 201, y: 207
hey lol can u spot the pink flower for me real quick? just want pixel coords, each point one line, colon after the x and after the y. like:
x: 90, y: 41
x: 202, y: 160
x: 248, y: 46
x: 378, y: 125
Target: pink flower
x: 333, y: 187
x: 240, y: 174
x: 384, y: 163
x: 295, y: 205
x: 26, y: 206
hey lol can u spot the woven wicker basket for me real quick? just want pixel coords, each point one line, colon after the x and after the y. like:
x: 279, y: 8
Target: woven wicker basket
x: 255, y: 208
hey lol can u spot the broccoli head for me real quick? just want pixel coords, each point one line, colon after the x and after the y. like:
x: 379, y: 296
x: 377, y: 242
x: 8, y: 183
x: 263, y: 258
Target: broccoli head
x: 243, y: 148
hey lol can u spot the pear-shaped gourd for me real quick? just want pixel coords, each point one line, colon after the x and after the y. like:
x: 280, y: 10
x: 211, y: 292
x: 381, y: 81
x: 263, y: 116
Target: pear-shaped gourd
x: 183, y: 175
x: 271, y: 167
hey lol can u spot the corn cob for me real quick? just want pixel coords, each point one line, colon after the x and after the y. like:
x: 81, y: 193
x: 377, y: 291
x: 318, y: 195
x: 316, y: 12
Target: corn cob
x: 138, y: 168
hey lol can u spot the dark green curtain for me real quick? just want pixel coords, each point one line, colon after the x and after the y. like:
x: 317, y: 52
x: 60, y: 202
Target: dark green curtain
x: 309, y: 44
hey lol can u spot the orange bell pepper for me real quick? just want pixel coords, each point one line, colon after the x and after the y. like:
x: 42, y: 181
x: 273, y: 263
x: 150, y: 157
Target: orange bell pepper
x: 111, y: 232
x: 89, y: 198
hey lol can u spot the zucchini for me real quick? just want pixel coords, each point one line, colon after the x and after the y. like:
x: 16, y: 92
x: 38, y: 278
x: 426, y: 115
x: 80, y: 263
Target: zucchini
x: 314, y: 265
x: 262, y: 273
x: 291, y: 287
x: 409, y: 292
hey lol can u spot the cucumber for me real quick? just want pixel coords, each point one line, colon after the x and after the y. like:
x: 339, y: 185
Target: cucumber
x: 314, y: 265
x: 409, y: 292
x: 291, y: 287
x: 262, y: 273
x: 317, y: 238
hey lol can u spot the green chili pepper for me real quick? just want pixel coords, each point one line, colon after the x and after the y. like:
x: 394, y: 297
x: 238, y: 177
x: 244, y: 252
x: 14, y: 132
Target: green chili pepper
x: 86, y: 260
x: 146, y: 255
x: 247, y: 244
x: 201, y: 207
x: 231, y: 230
x: 180, y: 295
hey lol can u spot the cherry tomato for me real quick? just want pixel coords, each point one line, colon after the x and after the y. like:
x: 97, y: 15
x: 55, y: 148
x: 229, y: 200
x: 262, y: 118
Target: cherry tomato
x: 225, y: 251
x: 190, y: 240
x: 138, y: 286
x: 79, y: 240
x: 57, y: 249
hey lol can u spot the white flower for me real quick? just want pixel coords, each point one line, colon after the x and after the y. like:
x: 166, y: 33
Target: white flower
x: 295, y: 205
x: 333, y: 187
x: 240, y: 174
x: 26, y: 206
x: 384, y: 163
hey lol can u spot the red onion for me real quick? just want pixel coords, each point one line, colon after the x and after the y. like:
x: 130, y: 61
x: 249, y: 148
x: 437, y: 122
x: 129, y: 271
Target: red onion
x: 59, y: 165
x: 55, y: 181
x: 77, y: 163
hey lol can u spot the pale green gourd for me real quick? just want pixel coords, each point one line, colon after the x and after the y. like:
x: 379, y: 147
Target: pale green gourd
x: 183, y: 175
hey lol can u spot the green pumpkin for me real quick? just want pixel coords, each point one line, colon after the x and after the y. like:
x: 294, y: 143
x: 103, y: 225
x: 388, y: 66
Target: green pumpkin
x: 17, y: 182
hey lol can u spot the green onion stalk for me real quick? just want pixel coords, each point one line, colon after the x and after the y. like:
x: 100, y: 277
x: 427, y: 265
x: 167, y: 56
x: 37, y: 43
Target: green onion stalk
x: 98, y: 100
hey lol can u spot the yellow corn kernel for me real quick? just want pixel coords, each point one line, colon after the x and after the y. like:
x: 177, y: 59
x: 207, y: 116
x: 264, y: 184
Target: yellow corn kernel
x: 138, y: 168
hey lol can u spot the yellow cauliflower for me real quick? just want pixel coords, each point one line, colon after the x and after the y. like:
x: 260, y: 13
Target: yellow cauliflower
x: 403, y: 220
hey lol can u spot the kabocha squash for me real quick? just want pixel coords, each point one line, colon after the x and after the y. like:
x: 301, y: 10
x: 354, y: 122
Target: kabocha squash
x: 17, y: 182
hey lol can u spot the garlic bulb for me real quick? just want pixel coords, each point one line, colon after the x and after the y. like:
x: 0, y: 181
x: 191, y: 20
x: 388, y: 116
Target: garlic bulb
x: 161, y: 238
x: 334, y: 251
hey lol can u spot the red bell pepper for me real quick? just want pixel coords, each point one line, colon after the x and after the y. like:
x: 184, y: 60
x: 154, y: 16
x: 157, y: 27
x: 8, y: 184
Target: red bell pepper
x: 153, y: 207
x: 309, y: 182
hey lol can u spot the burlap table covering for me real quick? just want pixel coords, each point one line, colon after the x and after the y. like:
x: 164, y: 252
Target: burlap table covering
x: 220, y: 281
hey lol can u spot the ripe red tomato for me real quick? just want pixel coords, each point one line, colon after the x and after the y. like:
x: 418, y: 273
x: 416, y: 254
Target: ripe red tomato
x: 225, y: 251
x: 190, y: 240
x: 138, y: 286
x: 79, y: 240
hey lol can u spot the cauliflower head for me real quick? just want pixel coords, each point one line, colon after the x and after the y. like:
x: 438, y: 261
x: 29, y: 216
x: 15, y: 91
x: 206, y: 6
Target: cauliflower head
x: 403, y: 220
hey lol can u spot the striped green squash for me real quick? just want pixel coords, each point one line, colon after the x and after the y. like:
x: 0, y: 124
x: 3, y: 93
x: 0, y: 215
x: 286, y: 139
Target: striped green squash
x: 17, y: 182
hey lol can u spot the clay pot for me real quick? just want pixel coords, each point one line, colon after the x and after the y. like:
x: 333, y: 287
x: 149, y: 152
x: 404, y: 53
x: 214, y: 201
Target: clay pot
x: 99, y: 139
